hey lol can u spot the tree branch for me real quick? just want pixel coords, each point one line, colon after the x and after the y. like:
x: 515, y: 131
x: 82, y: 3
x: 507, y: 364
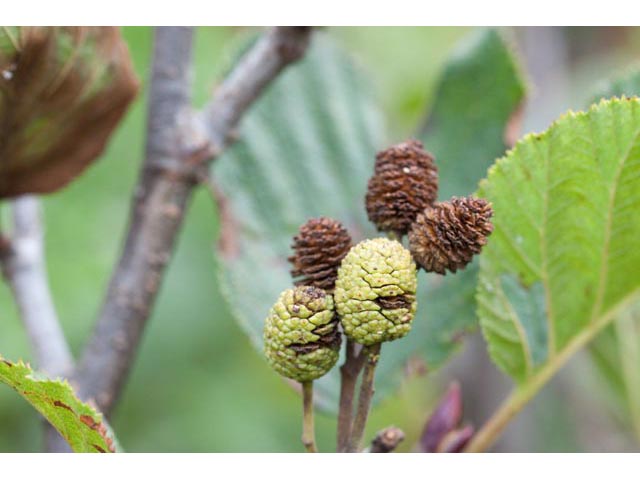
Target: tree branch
x: 23, y: 266
x: 180, y: 144
x: 157, y: 210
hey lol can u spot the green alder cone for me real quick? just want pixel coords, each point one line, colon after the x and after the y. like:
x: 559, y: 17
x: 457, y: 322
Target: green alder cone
x: 375, y: 291
x: 301, y: 336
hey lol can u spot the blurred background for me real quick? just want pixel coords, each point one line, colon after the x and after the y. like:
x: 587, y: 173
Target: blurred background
x: 198, y: 385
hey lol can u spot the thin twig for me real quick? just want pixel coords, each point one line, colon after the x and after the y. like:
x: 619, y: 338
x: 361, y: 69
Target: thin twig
x: 23, y: 266
x: 349, y: 371
x: 180, y: 144
x: 372, y: 354
x: 386, y: 441
x: 279, y: 47
x: 308, y: 426
x: 494, y: 427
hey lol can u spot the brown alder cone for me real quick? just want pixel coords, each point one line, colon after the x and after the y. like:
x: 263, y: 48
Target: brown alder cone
x: 404, y: 183
x: 319, y: 248
x: 448, y: 235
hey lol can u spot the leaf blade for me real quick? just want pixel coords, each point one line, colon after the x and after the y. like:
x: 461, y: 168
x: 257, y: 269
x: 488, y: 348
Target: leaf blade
x: 582, y: 176
x: 615, y: 351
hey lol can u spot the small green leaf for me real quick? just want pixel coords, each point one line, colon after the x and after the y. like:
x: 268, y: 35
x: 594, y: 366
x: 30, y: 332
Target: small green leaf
x: 562, y: 261
x: 78, y: 423
x: 478, y: 95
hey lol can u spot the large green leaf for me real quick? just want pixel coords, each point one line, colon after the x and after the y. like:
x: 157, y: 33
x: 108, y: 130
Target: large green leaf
x: 307, y: 149
x: 616, y: 352
x: 78, y: 423
x: 563, y: 259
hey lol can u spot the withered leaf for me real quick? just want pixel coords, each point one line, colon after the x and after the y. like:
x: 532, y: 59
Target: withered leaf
x: 62, y: 92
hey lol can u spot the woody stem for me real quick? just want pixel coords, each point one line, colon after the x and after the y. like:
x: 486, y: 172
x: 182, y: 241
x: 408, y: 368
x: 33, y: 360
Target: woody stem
x: 349, y: 372
x: 372, y: 354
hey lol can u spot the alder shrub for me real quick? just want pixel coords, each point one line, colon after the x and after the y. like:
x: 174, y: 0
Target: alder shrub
x: 345, y: 253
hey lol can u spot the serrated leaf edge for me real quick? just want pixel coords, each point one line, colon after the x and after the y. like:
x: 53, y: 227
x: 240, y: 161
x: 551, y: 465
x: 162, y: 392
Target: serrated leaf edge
x: 94, y: 420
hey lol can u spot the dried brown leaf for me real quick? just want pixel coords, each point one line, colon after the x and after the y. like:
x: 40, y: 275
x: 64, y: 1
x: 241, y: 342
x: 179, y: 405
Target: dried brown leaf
x: 62, y: 92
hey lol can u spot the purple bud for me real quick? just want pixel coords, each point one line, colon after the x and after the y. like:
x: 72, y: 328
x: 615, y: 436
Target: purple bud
x: 445, y: 418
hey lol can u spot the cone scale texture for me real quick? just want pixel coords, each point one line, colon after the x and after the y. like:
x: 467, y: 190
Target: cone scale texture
x: 376, y: 291
x: 301, y: 336
x: 404, y: 183
x: 448, y: 235
x: 319, y: 248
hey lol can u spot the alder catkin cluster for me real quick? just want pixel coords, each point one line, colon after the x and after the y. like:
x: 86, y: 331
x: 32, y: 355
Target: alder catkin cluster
x: 368, y: 291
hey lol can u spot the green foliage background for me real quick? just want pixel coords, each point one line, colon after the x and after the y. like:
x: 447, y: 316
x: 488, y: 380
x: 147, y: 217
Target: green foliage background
x: 198, y: 384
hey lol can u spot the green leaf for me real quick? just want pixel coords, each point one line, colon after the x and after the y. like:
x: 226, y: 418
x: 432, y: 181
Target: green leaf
x: 78, y: 423
x: 307, y: 149
x: 562, y: 261
x: 480, y: 92
x: 616, y: 351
